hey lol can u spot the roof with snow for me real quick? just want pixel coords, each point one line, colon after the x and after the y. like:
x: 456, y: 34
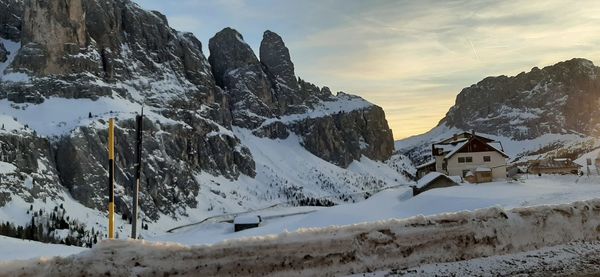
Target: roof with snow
x: 433, y: 176
x: 456, y: 143
x: 247, y: 219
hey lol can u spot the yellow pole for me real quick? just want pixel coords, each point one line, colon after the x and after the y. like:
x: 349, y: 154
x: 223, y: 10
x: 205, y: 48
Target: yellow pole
x: 111, y: 178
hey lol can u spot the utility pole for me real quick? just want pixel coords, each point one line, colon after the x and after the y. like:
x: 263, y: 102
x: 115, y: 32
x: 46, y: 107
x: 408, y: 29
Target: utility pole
x: 138, y: 172
x: 111, y: 178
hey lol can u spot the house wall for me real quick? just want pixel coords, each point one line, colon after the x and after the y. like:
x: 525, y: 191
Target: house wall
x: 438, y: 164
x: 497, y: 163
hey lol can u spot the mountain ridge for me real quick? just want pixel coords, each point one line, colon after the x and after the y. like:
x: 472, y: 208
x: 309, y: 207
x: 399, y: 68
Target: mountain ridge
x: 545, y: 112
x: 207, y: 120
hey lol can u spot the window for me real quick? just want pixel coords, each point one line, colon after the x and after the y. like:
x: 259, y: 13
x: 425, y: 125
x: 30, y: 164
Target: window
x: 469, y: 159
x: 461, y: 160
x: 487, y: 159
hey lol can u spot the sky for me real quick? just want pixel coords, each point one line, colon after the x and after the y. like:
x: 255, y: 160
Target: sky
x: 410, y: 57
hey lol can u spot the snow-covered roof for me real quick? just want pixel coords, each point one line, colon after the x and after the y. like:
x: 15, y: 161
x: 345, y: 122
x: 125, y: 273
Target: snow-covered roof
x: 430, y: 177
x: 455, y: 149
x: 246, y: 219
x: 428, y: 163
x: 450, y: 148
x: 483, y: 169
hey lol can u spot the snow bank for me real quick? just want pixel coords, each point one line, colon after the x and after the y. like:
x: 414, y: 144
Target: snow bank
x: 340, y: 250
x: 17, y: 249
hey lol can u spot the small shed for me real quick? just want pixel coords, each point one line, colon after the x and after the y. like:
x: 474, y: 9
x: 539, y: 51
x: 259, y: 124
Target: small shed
x: 244, y: 222
x: 553, y: 166
x: 479, y: 175
x: 435, y: 180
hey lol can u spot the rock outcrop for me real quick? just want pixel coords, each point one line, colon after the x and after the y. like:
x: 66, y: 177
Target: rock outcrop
x: 238, y: 71
x: 344, y: 137
x: 55, y: 32
x: 276, y: 58
x: 557, y: 99
x: 11, y: 12
x: 3, y: 53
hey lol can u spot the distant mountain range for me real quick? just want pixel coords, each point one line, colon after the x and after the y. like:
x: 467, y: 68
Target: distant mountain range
x: 548, y: 112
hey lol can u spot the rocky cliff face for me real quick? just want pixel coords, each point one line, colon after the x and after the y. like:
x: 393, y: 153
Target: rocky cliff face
x: 557, y: 99
x: 115, y: 54
x: 10, y: 19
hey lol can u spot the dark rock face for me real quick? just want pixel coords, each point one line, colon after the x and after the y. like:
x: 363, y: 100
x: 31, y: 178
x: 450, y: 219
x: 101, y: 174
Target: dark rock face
x: 3, y: 53
x: 276, y: 130
x: 238, y: 71
x: 171, y: 153
x: 344, y: 137
x: 556, y: 99
x: 35, y: 177
x: 276, y: 57
x: 11, y: 12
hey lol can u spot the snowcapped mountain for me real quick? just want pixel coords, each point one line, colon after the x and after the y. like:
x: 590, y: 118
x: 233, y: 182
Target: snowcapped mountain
x: 226, y: 133
x: 553, y: 111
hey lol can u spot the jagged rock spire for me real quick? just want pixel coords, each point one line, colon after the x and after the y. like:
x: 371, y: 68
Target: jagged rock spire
x: 276, y: 57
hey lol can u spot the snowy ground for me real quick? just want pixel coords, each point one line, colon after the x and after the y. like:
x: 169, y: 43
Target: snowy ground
x: 16, y: 249
x: 392, y: 203
x: 573, y: 259
x: 397, y: 203
x: 374, y: 246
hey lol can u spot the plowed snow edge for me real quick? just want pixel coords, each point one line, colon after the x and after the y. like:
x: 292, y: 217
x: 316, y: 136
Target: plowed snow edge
x: 339, y: 250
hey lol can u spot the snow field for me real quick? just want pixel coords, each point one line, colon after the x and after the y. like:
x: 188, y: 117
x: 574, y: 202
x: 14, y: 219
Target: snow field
x: 339, y: 250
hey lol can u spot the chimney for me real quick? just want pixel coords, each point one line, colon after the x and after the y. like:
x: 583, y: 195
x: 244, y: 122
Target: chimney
x: 472, y: 132
x: 455, y: 137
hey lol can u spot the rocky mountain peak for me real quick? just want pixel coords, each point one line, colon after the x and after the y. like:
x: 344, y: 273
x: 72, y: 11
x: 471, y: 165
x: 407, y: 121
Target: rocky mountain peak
x: 237, y: 70
x: 276, y: 57
x: 560, y: 98
x: 229, y: 51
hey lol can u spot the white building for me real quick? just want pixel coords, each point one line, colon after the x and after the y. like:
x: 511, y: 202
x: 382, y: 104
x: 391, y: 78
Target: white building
x: 475, y: 158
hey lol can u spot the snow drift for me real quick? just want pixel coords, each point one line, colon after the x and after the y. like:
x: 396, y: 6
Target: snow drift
x: 340, y: 250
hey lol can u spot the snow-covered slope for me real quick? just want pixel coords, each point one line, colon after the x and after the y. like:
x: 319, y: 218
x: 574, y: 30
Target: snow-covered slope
x: 399, y: 203
x: 339, y: 250
x: 16, y: 249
